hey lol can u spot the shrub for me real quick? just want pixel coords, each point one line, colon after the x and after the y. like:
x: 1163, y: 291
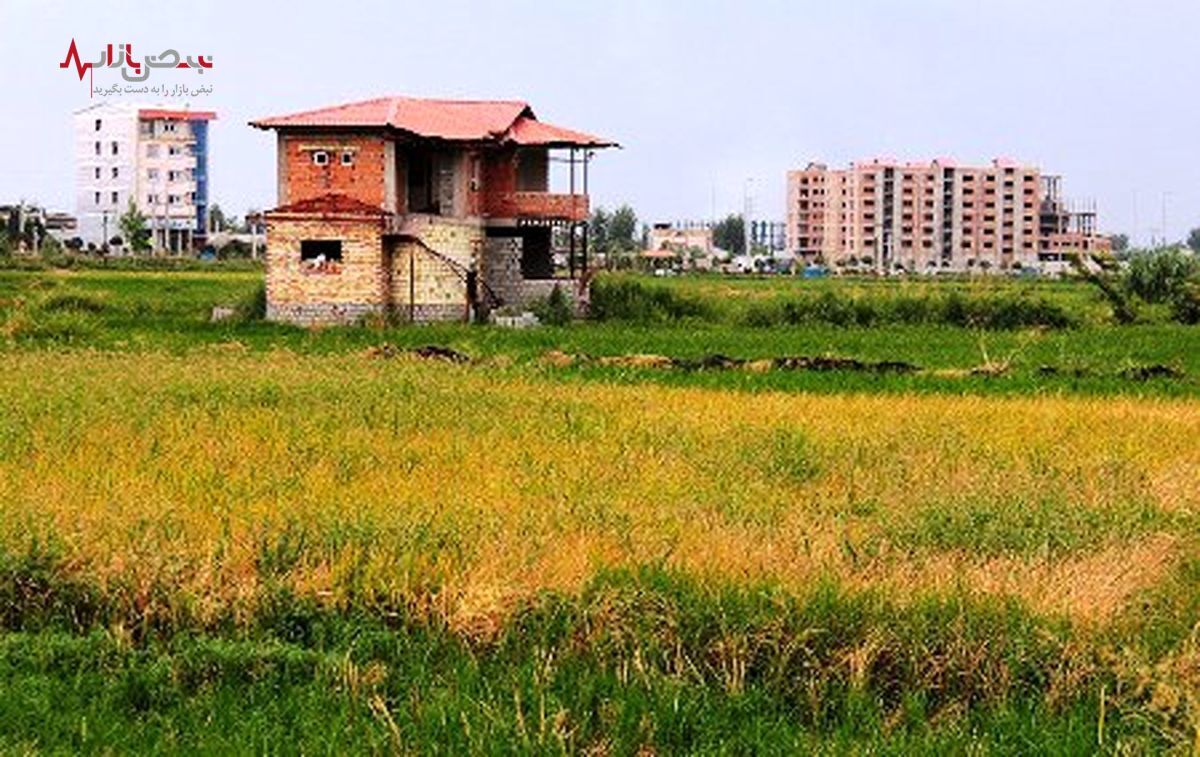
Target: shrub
x: 955, y: 309
x: 1159, y: 276
x: 556, y: 309
x: 1185, y: 307
x: 254, y: 306
x: 624, y: 299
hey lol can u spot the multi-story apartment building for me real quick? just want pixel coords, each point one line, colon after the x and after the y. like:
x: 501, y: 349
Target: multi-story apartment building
x: 153, y: 156
x: 889, y: 216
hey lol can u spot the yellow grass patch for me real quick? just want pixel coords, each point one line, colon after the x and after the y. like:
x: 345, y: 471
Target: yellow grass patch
x: 195, y: 481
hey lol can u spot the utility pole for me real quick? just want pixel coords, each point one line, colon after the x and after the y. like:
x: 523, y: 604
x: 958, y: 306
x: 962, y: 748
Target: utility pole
x: 1133, y: 234
x: 1165, y: 195
x: 747, y: 208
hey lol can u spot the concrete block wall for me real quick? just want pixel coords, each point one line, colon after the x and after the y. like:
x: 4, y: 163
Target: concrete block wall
x: 502, y: 271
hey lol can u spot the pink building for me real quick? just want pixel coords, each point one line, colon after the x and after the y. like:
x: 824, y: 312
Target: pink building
x: 886, y: 216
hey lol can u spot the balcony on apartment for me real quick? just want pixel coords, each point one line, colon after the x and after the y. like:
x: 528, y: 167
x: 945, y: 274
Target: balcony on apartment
x: 536, y: 183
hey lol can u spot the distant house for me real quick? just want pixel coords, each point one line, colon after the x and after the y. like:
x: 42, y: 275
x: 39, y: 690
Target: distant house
x: 691, y: 246
x: 426, y: 209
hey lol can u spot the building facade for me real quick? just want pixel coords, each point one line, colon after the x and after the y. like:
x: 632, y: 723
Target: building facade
x: 886, y: 216
x: 690, y: 243
x: 422, y: 209
x: 155, y: 157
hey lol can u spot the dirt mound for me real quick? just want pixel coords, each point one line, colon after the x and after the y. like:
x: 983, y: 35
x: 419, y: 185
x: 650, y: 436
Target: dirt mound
x: 387, y: 351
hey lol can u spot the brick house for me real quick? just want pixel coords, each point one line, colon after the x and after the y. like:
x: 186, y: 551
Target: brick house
x: 426, y: 209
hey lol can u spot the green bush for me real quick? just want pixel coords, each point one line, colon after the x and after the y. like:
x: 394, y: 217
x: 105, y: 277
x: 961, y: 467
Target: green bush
x: 955, y: 309
x: 556, y: 309
x: 1185, y: 307
x: 1160, y: 276
x: 254, y: 306
x: 624, y: 299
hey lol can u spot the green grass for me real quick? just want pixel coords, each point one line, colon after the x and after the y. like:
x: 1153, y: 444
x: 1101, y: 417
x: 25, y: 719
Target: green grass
x: 170, y: 311
x: 638, y: 661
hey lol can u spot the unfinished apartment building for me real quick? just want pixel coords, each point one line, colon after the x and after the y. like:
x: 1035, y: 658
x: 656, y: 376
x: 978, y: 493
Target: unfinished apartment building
x: 886, y: 216
x: 423, y: 210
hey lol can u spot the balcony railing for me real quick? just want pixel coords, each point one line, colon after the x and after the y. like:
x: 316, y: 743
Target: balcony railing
x: 542, y: 205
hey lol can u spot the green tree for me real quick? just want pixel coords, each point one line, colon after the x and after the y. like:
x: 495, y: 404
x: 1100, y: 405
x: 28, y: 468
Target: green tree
x: 730, y: 234
x: 622, y: 232
x: 622, y: 229
x: 133, y: 229
x: 1161, y: 275
x: 1193, y: 240
x: 216, y: 216
x: 598, y: 231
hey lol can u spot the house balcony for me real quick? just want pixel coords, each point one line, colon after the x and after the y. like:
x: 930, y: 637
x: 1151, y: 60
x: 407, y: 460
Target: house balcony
x: 546, y: 206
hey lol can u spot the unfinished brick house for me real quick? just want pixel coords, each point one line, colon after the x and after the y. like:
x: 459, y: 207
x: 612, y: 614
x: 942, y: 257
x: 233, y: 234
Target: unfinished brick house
x: 425, y: 209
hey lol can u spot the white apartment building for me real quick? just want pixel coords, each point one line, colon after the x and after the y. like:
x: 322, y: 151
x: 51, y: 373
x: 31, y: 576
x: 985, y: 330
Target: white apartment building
x: 155, y: 156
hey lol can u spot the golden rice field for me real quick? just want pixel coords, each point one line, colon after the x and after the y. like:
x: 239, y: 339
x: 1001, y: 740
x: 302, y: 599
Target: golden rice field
x: 190, y: 481
x: 187, y: 493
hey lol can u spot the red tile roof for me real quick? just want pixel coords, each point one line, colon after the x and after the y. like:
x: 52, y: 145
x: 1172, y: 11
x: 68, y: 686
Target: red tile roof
x: 330, y: 204
x: 530, y: 131
x: 454, y: 120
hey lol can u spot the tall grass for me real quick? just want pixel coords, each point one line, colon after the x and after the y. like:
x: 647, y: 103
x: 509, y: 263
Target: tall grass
x: 631, y: 299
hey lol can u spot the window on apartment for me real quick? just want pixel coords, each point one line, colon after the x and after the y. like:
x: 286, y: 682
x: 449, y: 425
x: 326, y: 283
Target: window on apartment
x: 320, y: 158
x: 172, y: 175
x: 192, y: 198
x: 97, y: 173
x: 172, y: 149
x: 172, y: 199
x: 151, y: 151
x: 321, y: 255
x: 97, y: 199
x: 152, y: 174
x: 97, y: 148
x: 114, y: 198
x: 116, y: 172
x: 97, y: 124
x: 151, y: 199
x: 347, y: 158
x: 115, y: 148
x: 168, y: 126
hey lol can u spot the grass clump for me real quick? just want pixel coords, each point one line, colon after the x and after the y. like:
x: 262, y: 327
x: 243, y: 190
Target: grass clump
x: 627, y: 299
x: 954, y: 309
x: 73, y: 302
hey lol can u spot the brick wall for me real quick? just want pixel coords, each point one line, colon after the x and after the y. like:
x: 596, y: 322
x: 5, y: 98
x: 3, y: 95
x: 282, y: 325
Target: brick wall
x: 365, y: 179
x: 344, y: 294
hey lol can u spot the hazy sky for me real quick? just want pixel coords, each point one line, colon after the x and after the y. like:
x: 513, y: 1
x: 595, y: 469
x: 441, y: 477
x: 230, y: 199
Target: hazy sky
x: 702, y: 95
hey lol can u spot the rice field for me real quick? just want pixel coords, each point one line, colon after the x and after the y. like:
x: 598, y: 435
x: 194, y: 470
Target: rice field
x: 218, y: 536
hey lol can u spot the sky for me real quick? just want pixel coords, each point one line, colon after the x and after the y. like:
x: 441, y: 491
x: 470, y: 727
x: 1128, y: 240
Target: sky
x: 711, y: 101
